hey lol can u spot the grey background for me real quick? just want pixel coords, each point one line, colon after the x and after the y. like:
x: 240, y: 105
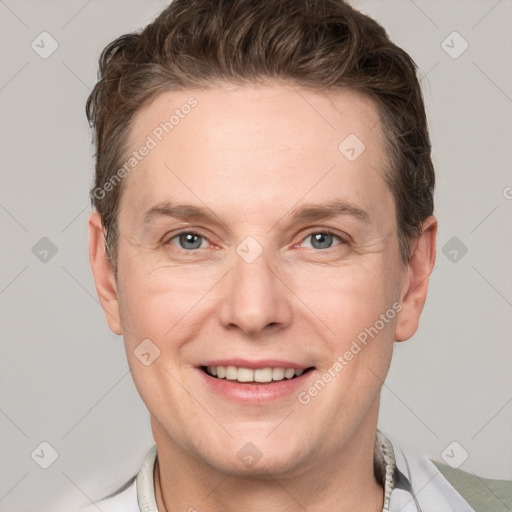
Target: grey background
x: 64, y: 376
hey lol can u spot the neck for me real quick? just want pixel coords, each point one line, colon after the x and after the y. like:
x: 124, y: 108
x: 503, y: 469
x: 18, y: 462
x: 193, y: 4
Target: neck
x: 346, y: 481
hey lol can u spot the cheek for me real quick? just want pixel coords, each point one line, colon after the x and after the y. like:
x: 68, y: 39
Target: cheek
x: 350, y: 298
x: 153, y: 296
x: 152, y: 310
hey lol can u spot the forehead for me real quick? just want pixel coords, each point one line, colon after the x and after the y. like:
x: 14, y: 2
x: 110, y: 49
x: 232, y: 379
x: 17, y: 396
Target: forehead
x: 262, y: 143
x: 259, y: 111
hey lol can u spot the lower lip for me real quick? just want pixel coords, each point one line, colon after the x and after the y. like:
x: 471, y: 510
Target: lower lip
x: 255, y: 393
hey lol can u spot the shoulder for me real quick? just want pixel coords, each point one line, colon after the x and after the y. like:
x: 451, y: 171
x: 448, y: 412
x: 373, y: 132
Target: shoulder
x: 126, y: 499
x: 437, y: 486
x: 483, y: 494
x: 123, y: 500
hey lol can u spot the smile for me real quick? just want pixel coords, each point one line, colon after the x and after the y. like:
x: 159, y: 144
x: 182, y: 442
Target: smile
x: 259, y: 375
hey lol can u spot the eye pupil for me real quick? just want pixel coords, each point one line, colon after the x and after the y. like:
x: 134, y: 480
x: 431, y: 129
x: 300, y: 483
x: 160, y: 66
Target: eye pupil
x: 321, y: 240
x: 190, y: 241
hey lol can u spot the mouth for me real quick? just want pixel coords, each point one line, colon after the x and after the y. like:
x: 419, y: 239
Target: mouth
x: 243, y: 375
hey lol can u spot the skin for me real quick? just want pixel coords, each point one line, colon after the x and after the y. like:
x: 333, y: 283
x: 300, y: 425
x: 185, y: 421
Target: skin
x: 253, y: 155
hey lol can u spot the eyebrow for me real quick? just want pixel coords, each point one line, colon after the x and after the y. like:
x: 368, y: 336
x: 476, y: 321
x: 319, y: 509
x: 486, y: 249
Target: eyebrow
x: 183, y: 212
x: 330, y: 210
x: 307, y: 212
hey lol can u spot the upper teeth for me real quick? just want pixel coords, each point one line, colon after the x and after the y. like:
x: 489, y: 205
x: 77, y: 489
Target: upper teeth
x: 249, y: 375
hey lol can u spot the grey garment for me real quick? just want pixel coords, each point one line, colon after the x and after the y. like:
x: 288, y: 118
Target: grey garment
x: 420, y: 486
x: 483, y: 494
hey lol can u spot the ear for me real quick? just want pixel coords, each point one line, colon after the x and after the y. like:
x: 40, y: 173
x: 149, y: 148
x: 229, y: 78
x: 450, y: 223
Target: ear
x: 415, y: 281
x: 104, y: 279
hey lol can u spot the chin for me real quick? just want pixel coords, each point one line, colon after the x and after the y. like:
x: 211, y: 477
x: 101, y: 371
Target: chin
x: 265, y: 460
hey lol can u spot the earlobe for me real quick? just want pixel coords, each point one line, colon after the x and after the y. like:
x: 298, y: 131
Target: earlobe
x: 415, y: 281
x: 103, y: 273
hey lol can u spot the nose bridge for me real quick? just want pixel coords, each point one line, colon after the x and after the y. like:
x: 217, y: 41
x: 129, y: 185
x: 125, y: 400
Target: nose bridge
x: 254, y: 296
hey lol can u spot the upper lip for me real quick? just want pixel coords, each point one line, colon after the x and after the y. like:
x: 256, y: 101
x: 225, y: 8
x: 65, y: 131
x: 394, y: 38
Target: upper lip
x: 254, y: 365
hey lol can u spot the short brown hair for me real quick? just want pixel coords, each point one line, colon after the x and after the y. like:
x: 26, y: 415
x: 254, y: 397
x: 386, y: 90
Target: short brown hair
x: 321, y: 44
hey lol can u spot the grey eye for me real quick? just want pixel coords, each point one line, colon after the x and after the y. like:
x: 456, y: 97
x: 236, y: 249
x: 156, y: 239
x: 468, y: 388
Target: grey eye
x: 189, y: 241
x: 321, y: 239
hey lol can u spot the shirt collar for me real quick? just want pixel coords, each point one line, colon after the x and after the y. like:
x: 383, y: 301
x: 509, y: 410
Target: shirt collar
x: 384, y: 466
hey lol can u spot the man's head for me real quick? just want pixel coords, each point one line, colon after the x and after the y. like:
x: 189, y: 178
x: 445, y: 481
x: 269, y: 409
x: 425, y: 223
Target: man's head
x: 325, y: 45
x: 278, y: 218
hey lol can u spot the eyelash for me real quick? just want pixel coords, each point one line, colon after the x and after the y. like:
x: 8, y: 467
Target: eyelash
x: 343, y: 240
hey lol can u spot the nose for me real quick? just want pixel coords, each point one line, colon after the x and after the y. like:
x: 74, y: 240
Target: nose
x: 255, y: 298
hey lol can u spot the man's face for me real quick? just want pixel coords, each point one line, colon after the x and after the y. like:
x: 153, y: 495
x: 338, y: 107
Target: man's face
x: 292, y: 255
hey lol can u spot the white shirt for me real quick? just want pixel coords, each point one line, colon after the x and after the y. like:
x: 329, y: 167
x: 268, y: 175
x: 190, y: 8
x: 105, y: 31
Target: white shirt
x: 411, y: 484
